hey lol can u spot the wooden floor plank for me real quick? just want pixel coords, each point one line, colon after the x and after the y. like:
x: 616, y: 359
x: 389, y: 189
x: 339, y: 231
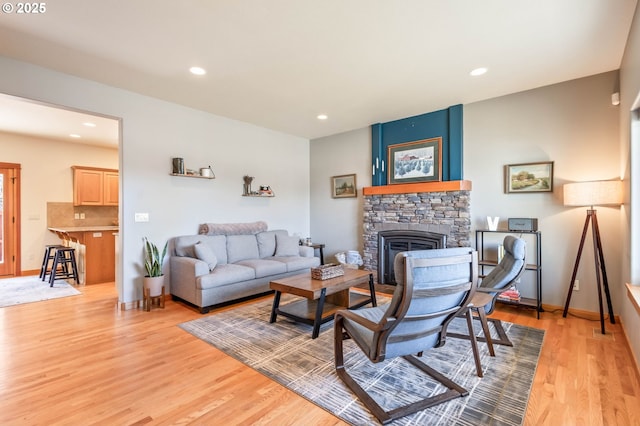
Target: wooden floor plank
x: 79, y: 360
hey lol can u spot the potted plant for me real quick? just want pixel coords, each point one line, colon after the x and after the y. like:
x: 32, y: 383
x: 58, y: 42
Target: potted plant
x: 153, y: 260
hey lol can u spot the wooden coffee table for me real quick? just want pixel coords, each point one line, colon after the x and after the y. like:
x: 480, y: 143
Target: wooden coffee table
x: 322, y: 298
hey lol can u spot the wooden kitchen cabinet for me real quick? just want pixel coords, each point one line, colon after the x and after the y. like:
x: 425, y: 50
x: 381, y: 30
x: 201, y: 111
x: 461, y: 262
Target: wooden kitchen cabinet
x: 94, y: 186
x: 111, y: 188
x: 99, y: 255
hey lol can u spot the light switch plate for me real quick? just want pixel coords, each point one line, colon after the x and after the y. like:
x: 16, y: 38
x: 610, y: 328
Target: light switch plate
x: 141, y: 217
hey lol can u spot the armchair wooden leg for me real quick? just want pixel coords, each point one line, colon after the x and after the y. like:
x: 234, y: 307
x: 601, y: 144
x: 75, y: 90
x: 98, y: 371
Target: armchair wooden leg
x: 485, y: 329
x: 474, y: 343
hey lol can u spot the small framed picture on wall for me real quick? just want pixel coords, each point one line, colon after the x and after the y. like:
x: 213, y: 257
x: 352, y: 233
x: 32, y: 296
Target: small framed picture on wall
x: 343, y: 186
x: 528, y: 177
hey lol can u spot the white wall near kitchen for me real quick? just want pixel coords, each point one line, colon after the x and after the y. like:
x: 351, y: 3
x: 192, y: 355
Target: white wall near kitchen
x: 154, y: 131
x: 46, y: 176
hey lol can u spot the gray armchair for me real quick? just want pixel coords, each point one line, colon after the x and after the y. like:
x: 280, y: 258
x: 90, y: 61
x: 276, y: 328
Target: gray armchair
x: 500, y: 279
x: 433, y: 287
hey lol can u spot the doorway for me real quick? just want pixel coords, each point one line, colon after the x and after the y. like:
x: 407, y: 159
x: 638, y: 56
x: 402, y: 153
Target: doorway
x: 43, y: 142
x: 9, y: 219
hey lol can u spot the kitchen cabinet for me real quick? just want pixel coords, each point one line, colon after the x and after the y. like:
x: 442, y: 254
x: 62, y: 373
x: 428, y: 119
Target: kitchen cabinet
x: 94, y: 186
x: 97, y: 256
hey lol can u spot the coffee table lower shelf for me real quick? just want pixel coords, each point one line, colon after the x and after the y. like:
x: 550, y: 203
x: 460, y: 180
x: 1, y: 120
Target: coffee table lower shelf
x: 321, y: 299
x: 305, y: 310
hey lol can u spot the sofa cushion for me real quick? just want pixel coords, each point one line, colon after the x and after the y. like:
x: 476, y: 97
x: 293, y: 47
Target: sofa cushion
x: 241, y: 247
x: 184, y: 246
x: 267, y: 242
x: 204, y: 253
x: 287, y: 246
x: 263, y: 267
x: 232, y: 228
x: 225, y: 274
x: 297, y: 263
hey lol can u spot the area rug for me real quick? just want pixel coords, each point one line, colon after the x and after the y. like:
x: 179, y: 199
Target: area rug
x: 15, y: 291
x: 285, y: 352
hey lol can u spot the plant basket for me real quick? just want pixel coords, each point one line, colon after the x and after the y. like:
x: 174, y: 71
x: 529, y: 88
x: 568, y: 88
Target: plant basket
x: 325, y: 272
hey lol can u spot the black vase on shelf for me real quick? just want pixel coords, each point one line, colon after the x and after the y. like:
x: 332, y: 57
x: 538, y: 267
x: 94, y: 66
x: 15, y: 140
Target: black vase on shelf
x: 178, y: 166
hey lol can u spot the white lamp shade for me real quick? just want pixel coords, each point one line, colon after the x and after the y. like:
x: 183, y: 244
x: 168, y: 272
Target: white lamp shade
x: 598, y: 193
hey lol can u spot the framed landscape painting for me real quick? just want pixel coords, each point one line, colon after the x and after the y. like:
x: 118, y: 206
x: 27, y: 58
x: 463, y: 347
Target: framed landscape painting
x: 343, y: 186
x: 528, y: 177
x: 418, y: 161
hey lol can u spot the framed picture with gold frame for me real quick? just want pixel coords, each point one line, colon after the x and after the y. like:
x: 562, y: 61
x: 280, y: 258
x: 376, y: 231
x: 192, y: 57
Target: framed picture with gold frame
x: 344, y: 186
x: 418, y: 161
x: 528, y: 177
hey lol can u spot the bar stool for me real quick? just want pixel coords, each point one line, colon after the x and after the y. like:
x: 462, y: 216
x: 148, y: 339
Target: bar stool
x: 64, y: 257
x: 49, y: 253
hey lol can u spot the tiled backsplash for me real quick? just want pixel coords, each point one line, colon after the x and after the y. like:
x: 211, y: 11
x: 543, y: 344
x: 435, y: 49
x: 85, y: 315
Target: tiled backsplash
x: 63, y: 215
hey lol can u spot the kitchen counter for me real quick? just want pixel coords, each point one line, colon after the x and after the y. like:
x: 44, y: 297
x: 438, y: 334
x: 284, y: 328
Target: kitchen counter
x: 95, y: 254
x: 85, y: 228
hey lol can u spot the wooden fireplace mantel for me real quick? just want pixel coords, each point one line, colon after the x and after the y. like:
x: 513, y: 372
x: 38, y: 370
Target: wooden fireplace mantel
x: 407, y: 188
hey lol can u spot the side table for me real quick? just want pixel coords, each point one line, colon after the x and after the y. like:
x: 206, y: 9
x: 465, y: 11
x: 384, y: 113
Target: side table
x: 319, y: 247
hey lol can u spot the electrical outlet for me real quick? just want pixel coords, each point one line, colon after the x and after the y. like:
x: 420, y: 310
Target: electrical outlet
x: 576, y: 285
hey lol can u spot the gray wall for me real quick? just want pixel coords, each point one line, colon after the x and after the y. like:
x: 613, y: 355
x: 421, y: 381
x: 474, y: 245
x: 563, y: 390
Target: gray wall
x: 572, y: 124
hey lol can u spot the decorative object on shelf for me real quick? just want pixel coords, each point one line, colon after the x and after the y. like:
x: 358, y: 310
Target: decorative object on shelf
x: 523, y: 224
x: 599, y: 193
x: 179, y: 170
x: 153, y: 282
x: 265, y: 191
x: 528, y: 177
x: 328, y: 271
x: 246, y: 187
x: 418, y: 161
x: 492, y: 223
x: 178, y: 166
x: 344, y: 186
x: 207, y: 172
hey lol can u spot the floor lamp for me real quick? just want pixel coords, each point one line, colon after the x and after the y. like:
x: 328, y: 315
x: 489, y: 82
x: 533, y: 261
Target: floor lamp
x: 591, y: 194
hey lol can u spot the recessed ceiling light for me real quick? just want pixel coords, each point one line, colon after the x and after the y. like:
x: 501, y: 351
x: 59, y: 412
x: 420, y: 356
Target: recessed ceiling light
x: 74, y: 135
x: 197, y: 71
x: 88, y: 124
x: 478, y: 71
x: 323, y: 117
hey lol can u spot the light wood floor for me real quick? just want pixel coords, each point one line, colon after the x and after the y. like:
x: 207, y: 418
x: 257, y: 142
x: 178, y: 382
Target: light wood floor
x: 80, y: 361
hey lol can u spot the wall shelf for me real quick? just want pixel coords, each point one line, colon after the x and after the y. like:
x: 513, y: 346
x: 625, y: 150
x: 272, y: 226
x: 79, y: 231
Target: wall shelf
x: 259, y: 196
x: 192, y: 176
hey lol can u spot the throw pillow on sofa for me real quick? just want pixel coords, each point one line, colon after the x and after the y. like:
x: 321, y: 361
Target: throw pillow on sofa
x: 286, y: 245
x: 204, y: 253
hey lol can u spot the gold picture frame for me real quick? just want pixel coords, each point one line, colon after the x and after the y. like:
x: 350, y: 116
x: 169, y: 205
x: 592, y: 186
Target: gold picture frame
x: 344, y: 186
x: 527, y: 178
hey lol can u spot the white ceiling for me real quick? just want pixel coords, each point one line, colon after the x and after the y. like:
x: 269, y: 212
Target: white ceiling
x: 280, y: 63
x: 44, y: 121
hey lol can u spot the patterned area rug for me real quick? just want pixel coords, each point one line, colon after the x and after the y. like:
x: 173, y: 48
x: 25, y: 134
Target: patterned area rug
x: 14, y: 291
x: 285, y: 352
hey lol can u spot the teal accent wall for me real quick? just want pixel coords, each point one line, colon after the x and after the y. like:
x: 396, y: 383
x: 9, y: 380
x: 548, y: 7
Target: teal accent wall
x: 446, y: 123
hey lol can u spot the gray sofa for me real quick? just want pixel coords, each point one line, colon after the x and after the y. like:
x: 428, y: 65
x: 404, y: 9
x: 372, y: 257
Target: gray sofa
x: 226, y: 262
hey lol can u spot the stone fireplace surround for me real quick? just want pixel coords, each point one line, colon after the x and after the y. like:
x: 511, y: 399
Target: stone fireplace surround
x: 438, y: 207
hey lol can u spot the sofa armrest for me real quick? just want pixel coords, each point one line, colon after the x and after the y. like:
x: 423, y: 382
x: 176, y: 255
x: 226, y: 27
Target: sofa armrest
x: 184, y: 271
x: 306, y: 251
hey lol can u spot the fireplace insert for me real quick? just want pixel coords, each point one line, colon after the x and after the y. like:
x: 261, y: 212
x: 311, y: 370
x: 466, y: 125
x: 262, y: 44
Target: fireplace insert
x: 393, y: 242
